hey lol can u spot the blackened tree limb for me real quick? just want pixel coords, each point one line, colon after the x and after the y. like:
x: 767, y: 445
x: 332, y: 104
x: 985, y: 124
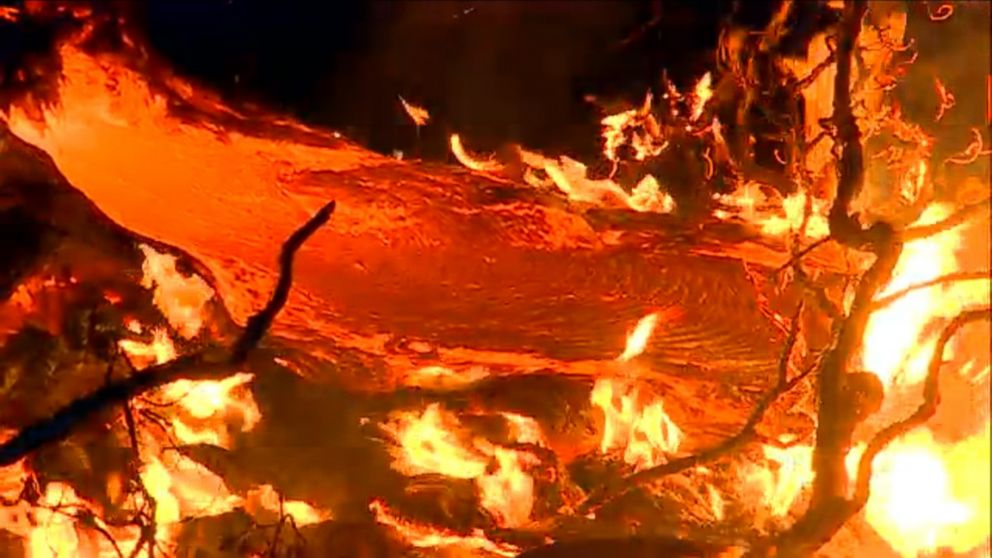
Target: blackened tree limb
x: 202, y: 365
x: 743, y: 437
x: 926, y: 410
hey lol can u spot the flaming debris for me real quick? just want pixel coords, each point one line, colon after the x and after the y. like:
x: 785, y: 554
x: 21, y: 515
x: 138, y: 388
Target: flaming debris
x: 418, y: 115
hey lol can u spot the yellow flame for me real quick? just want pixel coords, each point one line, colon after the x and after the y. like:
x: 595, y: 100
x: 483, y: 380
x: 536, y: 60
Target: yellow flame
x: 434, y: 441
x: 480, y: 165
x: 265, y: 504
x: 181, y: 299
x: 418, y: 114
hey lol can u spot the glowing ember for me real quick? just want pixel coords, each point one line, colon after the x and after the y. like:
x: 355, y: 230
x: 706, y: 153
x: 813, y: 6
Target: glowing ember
x: 442, y: 377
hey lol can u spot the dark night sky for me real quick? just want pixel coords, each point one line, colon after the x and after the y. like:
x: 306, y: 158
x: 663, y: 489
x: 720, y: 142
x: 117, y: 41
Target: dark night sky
x: 492, y: 70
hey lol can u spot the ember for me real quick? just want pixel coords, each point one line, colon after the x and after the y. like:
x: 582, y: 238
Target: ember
x: 756, y: 324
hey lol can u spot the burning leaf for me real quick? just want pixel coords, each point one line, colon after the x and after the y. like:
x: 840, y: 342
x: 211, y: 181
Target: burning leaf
x: 419, y: 115
x: 181, y: 299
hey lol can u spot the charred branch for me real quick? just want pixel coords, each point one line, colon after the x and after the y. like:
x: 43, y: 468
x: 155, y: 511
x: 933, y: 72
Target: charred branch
x: 197, y: 366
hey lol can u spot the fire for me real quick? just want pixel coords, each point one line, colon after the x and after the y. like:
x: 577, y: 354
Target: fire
x: 897, y: 344
x: 927, y: 496
x: 143, y: 354
x: 434, y: 441
x: 265, y: 504
x: 637, y: 341
x: 640, y: 428
x: 181, y: 299
x: 703, y: 92
x: 479, y: 165
x: 418, y: 114
x: 210, y: 404
x: 426, y: 536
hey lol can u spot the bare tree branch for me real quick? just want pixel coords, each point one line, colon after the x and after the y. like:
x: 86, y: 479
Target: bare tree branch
x: 202, y: 365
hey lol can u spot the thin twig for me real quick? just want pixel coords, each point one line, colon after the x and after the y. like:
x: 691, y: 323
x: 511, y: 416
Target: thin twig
x: 202, y: 365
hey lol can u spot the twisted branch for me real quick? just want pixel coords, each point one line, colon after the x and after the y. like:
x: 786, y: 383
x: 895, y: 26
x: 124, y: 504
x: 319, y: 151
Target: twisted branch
x: 203, y: 365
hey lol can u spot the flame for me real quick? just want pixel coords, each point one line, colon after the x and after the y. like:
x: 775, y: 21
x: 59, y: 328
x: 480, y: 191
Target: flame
x: 927, y: 496
x: 781, y: 484
x: 642, y: 429
x: 480, y: 165
x: 264, y: 499
x: 702, y: 93
x: 210, y: 404
x: 426, y: 536
x: 895, y: 347
x: 637, y: 341
x: 143, y: 354
x: 419, y: 115
x: 181, y: 299
x: 434, y: 441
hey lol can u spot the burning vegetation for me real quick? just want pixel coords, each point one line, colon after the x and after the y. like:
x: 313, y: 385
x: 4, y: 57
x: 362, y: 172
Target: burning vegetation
x: 763, y: 331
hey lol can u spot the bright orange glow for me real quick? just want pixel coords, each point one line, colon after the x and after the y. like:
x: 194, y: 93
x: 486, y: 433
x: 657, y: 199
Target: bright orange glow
x: 927, y: 496
x: 895, y: 347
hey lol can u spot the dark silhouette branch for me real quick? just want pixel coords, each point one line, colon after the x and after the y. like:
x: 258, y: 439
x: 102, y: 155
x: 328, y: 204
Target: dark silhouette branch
x: 204, y: 365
